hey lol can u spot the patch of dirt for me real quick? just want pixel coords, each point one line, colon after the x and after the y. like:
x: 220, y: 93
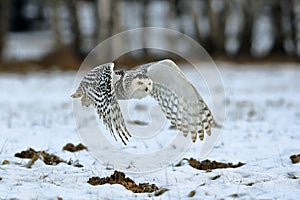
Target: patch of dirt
x: 5, y: 162
x: 295, y: 158
x: 48, y: 159
x: 72, y: 148
x: 208, y: 165
x: 119, y: 178
x: 29, y: 153
x: 192, y: 193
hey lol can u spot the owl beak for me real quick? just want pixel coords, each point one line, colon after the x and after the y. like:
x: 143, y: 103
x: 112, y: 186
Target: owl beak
x: 146, y: 89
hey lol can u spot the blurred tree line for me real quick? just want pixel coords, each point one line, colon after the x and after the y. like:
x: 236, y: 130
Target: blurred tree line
x: 233, y: 28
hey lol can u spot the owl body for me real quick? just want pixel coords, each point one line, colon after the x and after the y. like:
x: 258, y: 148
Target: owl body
x: 131, y: 84
x: 181, y: 103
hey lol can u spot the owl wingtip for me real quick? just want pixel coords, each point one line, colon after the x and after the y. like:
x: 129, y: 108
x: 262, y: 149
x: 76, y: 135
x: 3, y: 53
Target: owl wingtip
x: 201, y: 137
x: 217, y: 125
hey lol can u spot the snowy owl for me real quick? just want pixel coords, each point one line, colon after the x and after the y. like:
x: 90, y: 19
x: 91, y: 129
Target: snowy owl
x: 163, y: 80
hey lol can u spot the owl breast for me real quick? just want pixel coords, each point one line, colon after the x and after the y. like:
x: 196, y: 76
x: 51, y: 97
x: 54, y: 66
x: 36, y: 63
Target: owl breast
x: 132, y: 85
x: 140, y: 88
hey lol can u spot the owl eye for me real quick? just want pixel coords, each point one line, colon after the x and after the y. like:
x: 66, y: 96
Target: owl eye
x: 139, y: 83
x: 149, y: 83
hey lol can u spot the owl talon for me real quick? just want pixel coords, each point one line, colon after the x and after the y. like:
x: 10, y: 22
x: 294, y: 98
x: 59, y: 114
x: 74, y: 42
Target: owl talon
x: 85, y: 102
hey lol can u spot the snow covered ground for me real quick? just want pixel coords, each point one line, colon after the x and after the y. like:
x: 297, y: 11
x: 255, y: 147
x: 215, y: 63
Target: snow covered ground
x: 261, y: 130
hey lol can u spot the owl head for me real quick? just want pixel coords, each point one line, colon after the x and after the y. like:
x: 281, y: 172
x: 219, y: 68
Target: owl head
x: 140, y: 87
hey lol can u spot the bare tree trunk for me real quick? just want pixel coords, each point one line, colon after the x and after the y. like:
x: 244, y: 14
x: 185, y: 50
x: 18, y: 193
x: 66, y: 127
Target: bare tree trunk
x: 287, y: 26
x: 145, y: 24
x: 76, y: 43
x: 249, y: 11
x: 105, y: 26
x: 178, y: 14
x: 55, y: 22
x: 277, y: 26
x: 4, y: 22
x: 96, y: 33
x: 196, y: 18
x: 296, y: 26
x: 105, y: 15
x: 207, y: 42
x: 216, y: 12
x: 115, y: 10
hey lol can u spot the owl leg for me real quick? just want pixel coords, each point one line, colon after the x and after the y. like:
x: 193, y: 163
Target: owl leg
x: 85, y: 101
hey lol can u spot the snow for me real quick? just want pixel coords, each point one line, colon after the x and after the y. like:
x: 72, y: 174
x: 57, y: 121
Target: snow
x: 261, y: 130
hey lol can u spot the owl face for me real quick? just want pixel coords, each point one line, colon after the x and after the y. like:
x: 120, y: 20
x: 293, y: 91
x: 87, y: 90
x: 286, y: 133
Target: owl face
x: 141, y: 87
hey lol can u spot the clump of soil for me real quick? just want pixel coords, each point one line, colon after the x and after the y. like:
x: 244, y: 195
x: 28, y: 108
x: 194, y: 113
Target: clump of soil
x: 29, y: 153
x: 119, y: 178
x: 72, y: 148
x: 5, y: 162
x: 48, y: 159
x: 192, y: 193
x: 295, y: 158
x: 210, y: 165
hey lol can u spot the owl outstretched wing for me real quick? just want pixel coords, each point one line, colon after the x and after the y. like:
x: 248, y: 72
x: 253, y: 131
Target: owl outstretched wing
x: 179, y: 99
x: 97, y: 88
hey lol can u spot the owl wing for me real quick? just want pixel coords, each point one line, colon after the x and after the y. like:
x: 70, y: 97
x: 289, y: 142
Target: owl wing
x: 179, y: 99
x: 97, y: 88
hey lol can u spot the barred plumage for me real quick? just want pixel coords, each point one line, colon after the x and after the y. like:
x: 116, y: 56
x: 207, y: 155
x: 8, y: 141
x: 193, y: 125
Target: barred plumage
x: 163, y: 80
